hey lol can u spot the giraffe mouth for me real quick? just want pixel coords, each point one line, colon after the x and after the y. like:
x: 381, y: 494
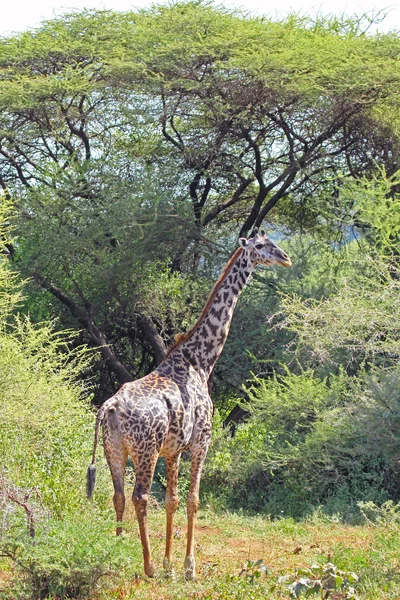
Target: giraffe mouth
x: 284, y: 262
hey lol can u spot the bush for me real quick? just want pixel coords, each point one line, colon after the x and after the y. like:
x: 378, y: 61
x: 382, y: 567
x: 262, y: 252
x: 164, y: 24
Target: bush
x: 69, y: 557
x: 58, y: 546
x: 46, y: 428
x: 308, y: 443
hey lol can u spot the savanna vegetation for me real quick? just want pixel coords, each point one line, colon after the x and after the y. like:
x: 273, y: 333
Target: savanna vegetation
x: 134, y: 149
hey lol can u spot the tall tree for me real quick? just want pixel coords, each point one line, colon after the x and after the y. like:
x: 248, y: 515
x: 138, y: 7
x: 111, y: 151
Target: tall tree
x: 121, y: 133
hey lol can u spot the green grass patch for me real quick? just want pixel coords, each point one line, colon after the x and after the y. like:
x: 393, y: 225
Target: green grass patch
x: 237, y: 557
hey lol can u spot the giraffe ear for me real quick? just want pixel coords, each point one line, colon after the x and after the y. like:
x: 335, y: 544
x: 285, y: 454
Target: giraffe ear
x: 243, y: 242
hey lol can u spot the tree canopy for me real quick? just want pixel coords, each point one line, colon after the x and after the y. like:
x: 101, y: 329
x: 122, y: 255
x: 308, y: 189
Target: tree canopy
x: 136, y: 146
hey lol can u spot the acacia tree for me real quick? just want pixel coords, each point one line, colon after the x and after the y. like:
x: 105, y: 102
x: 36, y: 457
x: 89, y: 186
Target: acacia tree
x: 130, y: 139
x: 258, y: 110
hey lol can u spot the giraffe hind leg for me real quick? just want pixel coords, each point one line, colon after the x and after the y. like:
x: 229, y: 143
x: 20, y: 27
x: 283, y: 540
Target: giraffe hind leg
x: 116, y: 456
x: 144, y: 469
x: 171, y: 503
x: 118, y: 476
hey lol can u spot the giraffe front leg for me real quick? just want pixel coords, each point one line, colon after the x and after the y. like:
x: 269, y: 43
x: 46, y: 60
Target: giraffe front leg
x: 192, y: 507
x: 171, y: 504
x: 140, y: 498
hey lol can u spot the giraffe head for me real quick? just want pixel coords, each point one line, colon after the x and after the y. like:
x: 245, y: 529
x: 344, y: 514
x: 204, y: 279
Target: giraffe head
x: 264, y: 251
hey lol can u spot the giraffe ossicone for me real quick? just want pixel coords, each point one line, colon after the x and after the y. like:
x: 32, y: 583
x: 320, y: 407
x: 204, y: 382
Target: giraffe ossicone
x: 169, y: 411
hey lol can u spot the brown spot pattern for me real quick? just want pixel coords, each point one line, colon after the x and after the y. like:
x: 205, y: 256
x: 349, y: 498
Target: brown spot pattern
x: 169, y: 411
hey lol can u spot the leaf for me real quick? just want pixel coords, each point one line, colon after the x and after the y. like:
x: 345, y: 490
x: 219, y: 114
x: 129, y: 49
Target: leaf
x: 317, y: 585
x: 339, y: 581
x: 297, y: 587
x: 305, y: 571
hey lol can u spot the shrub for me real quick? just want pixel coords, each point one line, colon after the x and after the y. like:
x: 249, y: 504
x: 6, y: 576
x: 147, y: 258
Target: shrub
x: 68, y: 557
x: 54, y: 540
x: 46, y: 426
x: 322, y: 581
x: 309, y: 442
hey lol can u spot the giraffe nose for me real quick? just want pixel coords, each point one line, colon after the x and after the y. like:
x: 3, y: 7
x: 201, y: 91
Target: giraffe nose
x: 285, y: 260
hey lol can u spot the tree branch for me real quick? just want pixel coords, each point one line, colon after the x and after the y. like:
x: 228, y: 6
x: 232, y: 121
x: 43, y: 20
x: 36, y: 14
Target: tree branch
x: 279, y: 194
x: 255, y: 210
x: 155, y: 340
x: 79, y: 132
x: 86, y: 321
x: 235, y: 198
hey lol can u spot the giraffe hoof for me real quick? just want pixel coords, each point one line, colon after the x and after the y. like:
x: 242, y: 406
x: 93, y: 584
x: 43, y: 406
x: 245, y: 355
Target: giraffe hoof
x: 150, y: 571
x: 190, y: 569
x: 167, y: 565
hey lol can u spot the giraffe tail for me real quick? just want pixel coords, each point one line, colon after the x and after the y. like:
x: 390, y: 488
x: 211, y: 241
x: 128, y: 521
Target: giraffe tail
x: 91, y: 472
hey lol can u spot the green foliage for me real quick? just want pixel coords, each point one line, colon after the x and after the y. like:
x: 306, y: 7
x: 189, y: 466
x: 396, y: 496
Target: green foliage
x: 253, y: 569
x: 376, y: 202
x: 46, y: 425
x: 68, y: 557
x: 380, y: 409
x: 10, y: 287
x: 291, y: 404
x: 355, y: 326
x: 307, y: 443
x: 387, y: 514
x: 323, y: 580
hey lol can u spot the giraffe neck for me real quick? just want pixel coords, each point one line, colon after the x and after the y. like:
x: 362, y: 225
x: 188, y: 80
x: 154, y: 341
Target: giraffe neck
x: 204, y: 343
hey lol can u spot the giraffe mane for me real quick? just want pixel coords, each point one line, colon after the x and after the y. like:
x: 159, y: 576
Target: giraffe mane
x: 180, y: 338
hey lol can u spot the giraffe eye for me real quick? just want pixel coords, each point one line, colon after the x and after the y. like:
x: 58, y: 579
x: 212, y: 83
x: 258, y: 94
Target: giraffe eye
x: 259, y: 246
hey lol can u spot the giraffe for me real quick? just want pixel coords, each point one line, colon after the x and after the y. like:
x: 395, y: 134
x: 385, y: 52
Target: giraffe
x: 169, y: 411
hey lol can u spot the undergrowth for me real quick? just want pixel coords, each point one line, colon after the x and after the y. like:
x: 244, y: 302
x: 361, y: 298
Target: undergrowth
x: 238, y: 556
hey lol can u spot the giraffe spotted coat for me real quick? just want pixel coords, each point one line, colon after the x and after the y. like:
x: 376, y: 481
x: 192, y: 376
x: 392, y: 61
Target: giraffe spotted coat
x: 169, y: 411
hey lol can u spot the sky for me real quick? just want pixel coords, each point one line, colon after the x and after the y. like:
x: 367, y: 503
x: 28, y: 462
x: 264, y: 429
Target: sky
x: 19, y: 15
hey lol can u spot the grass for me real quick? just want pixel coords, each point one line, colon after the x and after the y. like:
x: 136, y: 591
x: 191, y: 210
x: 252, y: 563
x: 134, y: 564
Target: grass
x: 225, y: 542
